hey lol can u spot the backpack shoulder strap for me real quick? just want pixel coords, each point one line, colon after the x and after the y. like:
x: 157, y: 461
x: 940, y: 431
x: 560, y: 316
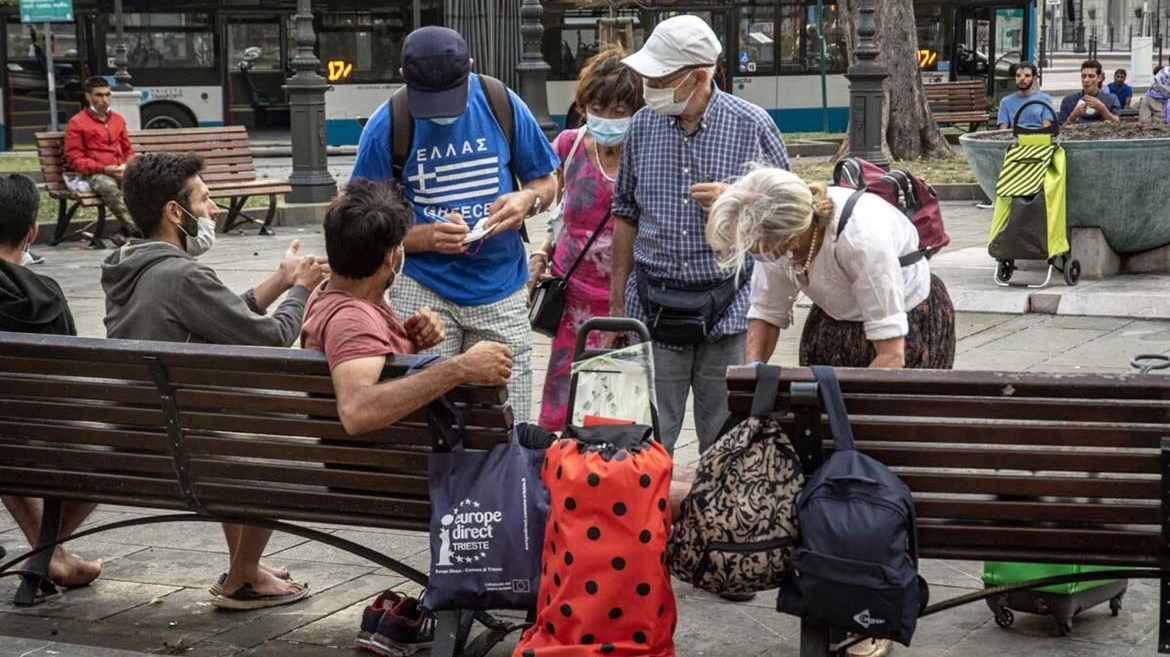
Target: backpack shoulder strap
x: 401, y: 131
x: 848, y: 210
x: 829, y: 390
x: 501, y: 103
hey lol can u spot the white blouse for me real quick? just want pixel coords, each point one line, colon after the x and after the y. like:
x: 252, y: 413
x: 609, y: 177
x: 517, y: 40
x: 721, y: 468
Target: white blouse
x: 855, y: 277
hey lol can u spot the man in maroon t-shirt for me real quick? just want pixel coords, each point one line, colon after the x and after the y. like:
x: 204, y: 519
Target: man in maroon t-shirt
x: 348, y: 317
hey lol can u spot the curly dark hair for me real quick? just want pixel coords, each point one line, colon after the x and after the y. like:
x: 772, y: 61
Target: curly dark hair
x: 154, y: 179
x: 21, y: 200
x: 364, y: 224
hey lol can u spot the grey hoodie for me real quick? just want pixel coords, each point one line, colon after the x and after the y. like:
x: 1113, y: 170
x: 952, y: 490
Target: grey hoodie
x: 155, y: 291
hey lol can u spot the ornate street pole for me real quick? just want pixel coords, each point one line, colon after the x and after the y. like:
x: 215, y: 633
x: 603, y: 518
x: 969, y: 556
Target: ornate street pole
x: 865, y: 91
x: 121, y: 75
x: 310, y: 179
x: 532, y: 68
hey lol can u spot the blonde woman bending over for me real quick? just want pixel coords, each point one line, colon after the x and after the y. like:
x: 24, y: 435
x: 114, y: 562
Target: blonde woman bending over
x: 870, y: 311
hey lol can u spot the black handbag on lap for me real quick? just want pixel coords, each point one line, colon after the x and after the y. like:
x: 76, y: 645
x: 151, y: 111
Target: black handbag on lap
x: 547, y: 302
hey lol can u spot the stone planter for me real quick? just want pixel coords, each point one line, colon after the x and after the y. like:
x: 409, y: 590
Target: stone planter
x: 1118, y: 186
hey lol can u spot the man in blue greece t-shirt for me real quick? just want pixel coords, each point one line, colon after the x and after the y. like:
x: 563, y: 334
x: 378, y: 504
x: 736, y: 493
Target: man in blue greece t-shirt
x: 459, y: 179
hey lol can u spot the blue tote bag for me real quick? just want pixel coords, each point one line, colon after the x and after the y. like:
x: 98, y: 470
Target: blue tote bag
x: 488, y: 511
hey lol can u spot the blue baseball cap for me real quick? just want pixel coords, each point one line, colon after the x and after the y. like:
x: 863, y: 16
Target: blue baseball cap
x: 436, y: 65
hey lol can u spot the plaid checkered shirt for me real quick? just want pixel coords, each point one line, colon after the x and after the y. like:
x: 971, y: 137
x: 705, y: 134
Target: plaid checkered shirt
x: 659, y: 164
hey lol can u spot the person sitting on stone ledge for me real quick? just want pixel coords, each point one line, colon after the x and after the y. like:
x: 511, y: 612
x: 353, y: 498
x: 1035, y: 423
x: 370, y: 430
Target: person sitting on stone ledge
x: 1091, y: 104
x: 31, y: 303
x: 1154, y: 107
x: 349, y: 319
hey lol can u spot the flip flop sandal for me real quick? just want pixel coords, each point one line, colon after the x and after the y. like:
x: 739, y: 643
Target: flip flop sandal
x: 217, y: 588
x: 247, y: 598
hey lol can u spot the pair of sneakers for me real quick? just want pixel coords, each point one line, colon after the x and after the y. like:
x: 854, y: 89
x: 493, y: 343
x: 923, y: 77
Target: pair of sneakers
x: 395, y: 625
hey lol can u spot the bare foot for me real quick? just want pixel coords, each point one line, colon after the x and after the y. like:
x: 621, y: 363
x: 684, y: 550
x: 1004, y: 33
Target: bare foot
x: 276, y: 571
x: 69, y: 570
x: 261, y: 581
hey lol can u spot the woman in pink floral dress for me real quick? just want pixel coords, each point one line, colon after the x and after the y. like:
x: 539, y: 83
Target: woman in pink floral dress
x: 609, y: 94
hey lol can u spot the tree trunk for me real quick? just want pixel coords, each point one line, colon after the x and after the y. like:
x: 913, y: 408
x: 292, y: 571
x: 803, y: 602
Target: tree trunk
x: 908, y: 131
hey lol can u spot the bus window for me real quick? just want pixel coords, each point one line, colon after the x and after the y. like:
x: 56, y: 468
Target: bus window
x: 163, y: 41
x: 264, y: 37
x: 26, y: 43
x: 361, y: 46
x: 756, y: 53
x: 570, y: 40
x: 800, y: 48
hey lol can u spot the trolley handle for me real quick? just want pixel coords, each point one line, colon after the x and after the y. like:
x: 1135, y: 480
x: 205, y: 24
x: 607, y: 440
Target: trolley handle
x: 609, y: 325
x: 1053, y: 129
x: 1144, y: 363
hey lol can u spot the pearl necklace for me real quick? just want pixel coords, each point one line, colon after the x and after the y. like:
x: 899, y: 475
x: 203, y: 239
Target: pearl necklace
x: 812, y: 250
x: 600, y: 164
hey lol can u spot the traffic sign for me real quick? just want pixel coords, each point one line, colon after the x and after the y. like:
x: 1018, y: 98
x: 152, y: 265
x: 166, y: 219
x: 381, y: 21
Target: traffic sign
x: 46, y: 11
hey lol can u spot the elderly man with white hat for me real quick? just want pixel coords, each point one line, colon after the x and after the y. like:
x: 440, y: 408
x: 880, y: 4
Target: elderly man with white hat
x: 681, y: 149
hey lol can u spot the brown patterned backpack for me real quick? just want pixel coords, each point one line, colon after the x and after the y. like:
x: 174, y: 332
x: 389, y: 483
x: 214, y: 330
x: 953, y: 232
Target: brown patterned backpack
x: 737, y: 528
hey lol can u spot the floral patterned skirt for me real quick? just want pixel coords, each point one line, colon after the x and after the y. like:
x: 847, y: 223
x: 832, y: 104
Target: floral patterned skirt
x: 579, y: 308
x: 929, y: 344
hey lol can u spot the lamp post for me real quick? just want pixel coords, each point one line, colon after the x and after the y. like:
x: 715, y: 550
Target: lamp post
x: 121, y: 75
x: 310, y: 179
x: 865, y: 91
x: 532, y: 68
x: 1080, y: 29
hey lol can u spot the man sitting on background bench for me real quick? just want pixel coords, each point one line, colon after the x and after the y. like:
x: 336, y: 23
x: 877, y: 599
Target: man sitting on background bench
x: 97, y: 146
x: 31, y: 303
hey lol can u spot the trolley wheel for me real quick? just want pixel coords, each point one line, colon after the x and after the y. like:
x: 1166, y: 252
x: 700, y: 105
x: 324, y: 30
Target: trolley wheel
x: 1005, y: 618
x: 1115, y: 605
x: 1063, y: 628
x: 1004, y: 270
x: 1072, y: 271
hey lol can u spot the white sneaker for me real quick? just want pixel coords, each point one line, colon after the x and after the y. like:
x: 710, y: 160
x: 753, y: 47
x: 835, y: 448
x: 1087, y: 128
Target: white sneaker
x: 985, y: 206
x: 870, y: 648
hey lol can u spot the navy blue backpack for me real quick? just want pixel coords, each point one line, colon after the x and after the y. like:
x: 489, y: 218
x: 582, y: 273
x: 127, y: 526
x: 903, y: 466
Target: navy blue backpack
x: 856, y: 563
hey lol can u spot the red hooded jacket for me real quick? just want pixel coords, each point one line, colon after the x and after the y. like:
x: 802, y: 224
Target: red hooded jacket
x: 92, y: 144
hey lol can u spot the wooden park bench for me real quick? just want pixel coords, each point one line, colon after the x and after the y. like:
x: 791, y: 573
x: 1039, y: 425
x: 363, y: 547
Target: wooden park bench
x: 229, y: 172
x: 958, y: 102
x: 215, y: 433
x: 1026, y: 467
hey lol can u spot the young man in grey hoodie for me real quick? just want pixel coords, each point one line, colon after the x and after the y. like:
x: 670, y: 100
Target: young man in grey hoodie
x: 157, y: 290
x: 31, y: 303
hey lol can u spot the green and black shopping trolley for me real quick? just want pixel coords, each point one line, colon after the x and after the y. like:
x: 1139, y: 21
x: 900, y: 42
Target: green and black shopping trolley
x: 1029, y: 220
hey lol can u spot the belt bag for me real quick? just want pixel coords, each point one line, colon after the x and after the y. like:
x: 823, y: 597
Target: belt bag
x: 681, y: 314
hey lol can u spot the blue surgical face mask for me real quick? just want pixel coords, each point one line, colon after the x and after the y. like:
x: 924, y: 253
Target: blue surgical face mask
x: 446, y: 120
x: 607, y: 132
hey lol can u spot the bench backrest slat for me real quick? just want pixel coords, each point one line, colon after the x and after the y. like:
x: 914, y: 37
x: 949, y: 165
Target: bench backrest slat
x: 258, y: 425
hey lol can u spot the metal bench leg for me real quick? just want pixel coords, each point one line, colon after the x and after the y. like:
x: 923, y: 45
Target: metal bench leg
x: 814, y: 638
x: 266, y: 229
x: 234, y: 208
x: 446, y: 634
x: 99, y: 229
x: 37, y: 579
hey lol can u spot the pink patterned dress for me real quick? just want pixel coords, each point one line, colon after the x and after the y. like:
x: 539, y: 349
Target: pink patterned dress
x: 588, y: 194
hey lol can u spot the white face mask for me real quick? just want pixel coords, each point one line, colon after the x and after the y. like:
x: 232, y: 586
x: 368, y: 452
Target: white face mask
x: 662, y: 100
x: 204, y: 237
x: 401, y: 261
x: 446, y: 120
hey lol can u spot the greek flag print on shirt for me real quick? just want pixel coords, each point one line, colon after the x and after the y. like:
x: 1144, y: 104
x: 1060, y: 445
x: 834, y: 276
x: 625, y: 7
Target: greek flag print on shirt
x: 463, y: 167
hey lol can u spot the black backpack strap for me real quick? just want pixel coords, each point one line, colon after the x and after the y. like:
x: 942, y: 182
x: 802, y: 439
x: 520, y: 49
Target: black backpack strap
x: 830, y: 393
x: 767, y: 385
x: 847, y: 212
x: 501, y: 103
x: 401, y: 131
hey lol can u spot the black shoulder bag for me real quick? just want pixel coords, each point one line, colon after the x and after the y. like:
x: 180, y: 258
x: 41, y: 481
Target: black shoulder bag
x: 547, y: 303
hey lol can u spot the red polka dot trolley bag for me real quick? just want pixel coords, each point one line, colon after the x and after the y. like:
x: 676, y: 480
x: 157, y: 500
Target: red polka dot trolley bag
x: 604, y: 586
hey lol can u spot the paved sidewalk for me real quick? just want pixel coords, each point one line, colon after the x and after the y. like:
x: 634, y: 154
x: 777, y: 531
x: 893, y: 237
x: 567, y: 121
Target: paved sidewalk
x: 152, y: 595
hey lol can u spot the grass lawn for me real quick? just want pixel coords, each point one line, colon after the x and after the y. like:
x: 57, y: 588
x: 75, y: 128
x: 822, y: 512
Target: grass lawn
x: 19, y: 164
x: 950, y: 170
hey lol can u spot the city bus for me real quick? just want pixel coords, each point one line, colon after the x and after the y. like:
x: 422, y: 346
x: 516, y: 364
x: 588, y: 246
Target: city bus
x: 224, y: 62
